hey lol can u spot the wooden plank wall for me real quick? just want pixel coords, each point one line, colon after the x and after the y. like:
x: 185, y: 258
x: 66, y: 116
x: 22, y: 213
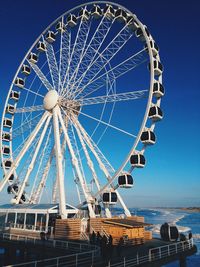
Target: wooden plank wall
x: 148, y: 235
x: 71, y: 229
x: 97, y: 224
x: 68, y: 229
x: 136, y: 235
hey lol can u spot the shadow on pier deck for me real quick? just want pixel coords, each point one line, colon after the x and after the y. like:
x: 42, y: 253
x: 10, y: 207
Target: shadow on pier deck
x: 154, y: 253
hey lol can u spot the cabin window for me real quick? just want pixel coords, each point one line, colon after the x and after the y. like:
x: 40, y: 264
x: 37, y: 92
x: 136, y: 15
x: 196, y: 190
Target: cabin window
x: 30, y: 219
x: 153, y: 138
x: 145, y: 136
x: 129, y: 179
x: 16, y: 95
x: 6, y: 150
x: 8, y: 163
x: 142, y: 159
x: 160, y: 66
x: 41, y: 221
x: 20, y: 218
x: 113, y: 197
x: 11, y: 178
x: 2, y: 218
x: 160, y: 112
x: 11, y: 218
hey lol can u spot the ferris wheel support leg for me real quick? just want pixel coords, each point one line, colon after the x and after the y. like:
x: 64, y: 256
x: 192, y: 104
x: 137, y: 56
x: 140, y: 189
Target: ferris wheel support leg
x: 54, y: 193
x: 108, y: 213
x: 24, y: 150
x: 30, y: 168
x: 60, y: 174
x: 55, y: 186
x: 75, y: 163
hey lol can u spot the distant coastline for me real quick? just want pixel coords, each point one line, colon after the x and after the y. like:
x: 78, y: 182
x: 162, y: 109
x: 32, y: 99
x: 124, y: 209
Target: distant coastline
x: 191, y: 209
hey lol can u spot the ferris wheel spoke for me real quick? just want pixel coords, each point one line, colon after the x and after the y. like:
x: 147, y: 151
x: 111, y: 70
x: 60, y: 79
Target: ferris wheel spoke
x: 29, y: 109
x: 23, y: 168
x: 115, y: 72
x: 105, y: 56
x: 52, y: 63
x: 76, y: 166
x: 93, y: 47
x: 108, y: 124
x: 113, y: 98
x: 24, y: 150
x: 89, y: 161
x: 26, y: 125
x: 75, y: 54
x: 64, y: 56
x: 78, y: 55
x: 74, y: 144
x: 103, y: 163
x: 32, y: 163
x: 78, y: 180
x: 41, y: 76
x: 33, y: 92
x: 101, y: 159
x: 43, y: 159
x: 35, y: 197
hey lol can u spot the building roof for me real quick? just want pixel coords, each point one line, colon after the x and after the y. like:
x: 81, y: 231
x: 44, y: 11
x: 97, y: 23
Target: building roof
x: 126, y: 223
x: 35, y: 208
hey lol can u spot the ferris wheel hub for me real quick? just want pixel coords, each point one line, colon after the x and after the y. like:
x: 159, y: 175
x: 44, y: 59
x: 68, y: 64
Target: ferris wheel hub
x: 50, y: 100
x: 13, y: 201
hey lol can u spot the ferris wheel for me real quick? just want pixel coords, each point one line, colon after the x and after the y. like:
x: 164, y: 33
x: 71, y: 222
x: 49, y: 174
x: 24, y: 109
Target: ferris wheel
x: 81, y: 110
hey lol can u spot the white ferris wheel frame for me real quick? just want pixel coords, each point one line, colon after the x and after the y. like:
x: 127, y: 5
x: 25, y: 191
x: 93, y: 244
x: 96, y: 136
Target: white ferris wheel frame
x: 56, y: 116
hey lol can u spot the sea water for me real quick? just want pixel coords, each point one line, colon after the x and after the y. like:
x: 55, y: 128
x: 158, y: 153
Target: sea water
x: 186, y: 222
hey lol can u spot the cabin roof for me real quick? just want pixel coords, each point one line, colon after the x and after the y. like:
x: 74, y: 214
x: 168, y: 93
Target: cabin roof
x: 126, y: 223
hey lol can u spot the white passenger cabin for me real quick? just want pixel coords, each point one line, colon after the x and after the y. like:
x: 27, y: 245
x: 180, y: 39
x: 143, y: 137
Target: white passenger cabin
x: 50, y: 37
x: 14, y: 95
x: 33, y: 58
x: 41, y: 47
x: 96, y: 12
x: 110, y: 198
x: 148, y: 137
x: 125, y: 180
x: 19, y: 82
x: 26, y: 70
x: 137, y: 160
x: 7, y: 123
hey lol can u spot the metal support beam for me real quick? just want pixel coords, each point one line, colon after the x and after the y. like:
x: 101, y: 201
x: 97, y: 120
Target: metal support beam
x: 60, y: 174
x: 75, y: 163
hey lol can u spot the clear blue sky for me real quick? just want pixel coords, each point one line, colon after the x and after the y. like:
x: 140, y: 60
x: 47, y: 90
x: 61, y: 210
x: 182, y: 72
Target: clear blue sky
x: 172, y: 175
